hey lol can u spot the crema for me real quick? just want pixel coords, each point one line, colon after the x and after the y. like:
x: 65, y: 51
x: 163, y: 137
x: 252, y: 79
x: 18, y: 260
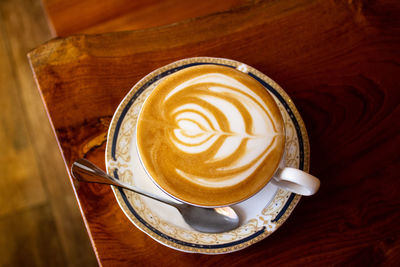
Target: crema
x: 210, y: 135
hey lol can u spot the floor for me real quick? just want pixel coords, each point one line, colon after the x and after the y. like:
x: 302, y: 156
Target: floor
x: 40, y: 223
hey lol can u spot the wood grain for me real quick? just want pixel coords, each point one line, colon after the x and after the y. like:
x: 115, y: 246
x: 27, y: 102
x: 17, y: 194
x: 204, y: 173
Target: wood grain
x: 338, y: 60
x: 32, y: 185
x: 22, y: 243
x: 16, y: 165
x: 91, y: 16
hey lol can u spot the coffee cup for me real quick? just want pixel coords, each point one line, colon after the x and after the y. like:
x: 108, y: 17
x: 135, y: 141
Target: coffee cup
x: 211, y: 136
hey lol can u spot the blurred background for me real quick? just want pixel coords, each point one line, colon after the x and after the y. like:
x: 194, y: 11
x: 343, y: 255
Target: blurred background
x: 40, y: 221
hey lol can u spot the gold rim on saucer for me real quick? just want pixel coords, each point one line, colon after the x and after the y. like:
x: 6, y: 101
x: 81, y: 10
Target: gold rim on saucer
x: 164, y: 224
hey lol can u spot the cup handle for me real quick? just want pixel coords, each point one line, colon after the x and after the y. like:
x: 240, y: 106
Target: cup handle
x: 297, y: 181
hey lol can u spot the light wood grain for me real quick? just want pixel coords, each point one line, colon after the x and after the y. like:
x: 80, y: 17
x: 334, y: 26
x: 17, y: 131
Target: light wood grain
x: 338, y: 60
x: 32, y: 166
x: 17, y: 159
x: 29, y: 238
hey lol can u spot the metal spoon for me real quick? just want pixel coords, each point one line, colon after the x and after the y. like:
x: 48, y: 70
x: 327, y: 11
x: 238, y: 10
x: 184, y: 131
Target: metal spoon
x: 207, y: 220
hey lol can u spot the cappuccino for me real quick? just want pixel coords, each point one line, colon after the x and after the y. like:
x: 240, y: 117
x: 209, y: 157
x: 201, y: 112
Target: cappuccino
x: 210, y: 135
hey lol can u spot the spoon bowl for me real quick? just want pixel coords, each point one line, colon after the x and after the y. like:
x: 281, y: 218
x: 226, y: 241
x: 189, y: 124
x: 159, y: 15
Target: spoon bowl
x: 206, y: 220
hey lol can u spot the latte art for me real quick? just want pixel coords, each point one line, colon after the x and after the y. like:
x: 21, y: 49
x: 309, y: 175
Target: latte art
x: 239, y: 141
x: 210, y: 130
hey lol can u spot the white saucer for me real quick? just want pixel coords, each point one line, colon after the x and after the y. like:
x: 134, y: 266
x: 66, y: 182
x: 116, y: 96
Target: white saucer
x: 261, y: 215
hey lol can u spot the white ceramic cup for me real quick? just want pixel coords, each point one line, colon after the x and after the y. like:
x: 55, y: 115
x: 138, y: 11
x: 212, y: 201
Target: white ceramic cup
x: 287, y: 178
x: 296, y: 181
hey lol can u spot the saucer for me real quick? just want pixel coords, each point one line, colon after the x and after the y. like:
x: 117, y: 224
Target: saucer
x: 261, y: 214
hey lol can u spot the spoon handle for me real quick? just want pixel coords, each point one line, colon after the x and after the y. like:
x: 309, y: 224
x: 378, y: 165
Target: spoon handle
x: 85, y: 171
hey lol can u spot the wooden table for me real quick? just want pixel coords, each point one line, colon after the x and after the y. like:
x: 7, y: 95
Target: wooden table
x: 68, y: 17
x: 338, y: 60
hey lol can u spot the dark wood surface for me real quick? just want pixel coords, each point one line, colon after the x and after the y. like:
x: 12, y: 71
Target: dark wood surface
x: 93, y: 16
x: 338, y: 60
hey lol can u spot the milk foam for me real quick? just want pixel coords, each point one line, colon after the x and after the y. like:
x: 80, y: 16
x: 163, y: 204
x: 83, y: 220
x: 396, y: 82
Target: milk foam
x: 210, y: 135
x: 198, y: 128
